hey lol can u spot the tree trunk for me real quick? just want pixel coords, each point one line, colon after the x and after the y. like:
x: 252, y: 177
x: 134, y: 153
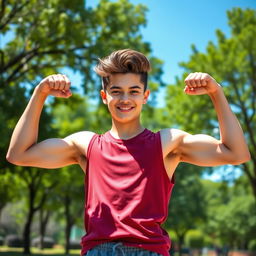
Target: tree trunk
x: 68, y: 233
x: 41, y: 246
x: 69, y: 224
x: 43, y: 224
x: 253, y: 182
x: 1, y: 210
x: 27, y: 228
x: 251, y: 177
x: 180, y: 241
x: 26, y: 233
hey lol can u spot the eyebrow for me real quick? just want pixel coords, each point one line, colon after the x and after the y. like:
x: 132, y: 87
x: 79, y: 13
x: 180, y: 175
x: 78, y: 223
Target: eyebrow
x: 118, y: 87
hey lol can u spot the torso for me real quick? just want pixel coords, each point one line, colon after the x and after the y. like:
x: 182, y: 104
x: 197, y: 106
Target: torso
x: 170, y: 158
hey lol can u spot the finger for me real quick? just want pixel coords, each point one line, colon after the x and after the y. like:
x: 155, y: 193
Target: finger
x: 198, y: 79
x: 192, y: 80
x: 67, y: 83
x: 196, y: 91
x: 187, y: 80
x: 204, y: 79
x: 56, y: 82
x: 61, y: 81
x: 203, y: 82
x: 51, y: 82
x: 188, y: 89
x: 65, y: 93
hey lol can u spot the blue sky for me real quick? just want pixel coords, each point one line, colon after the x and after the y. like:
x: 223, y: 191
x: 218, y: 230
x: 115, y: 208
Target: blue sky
x: 174, y: 25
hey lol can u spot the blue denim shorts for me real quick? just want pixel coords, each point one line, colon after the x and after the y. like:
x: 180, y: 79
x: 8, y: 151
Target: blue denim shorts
x: 118, y: 249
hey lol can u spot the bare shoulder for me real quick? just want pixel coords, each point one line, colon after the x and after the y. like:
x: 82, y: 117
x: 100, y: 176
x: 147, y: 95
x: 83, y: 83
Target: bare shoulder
x: 80, y: 140
x: 170, y: 139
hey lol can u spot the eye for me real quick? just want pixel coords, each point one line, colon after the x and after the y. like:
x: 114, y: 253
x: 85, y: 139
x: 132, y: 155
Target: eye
x: 134, y: 92
x: 114, y: 92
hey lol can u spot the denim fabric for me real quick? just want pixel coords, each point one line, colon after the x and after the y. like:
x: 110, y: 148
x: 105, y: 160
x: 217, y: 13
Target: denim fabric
x: 118, y: 249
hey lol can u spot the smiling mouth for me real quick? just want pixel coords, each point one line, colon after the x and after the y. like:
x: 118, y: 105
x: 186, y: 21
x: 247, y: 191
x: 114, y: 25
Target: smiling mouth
x: 125, y: 109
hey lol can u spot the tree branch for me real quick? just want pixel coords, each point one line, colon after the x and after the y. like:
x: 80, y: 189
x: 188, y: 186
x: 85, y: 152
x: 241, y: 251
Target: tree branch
x: 12, y: 14
x: 24, y: 54
x: 60, y: 51
x: 35, y: 68
x: 246, y: 170
x: 18, y: 58
x: 33, y: 53
x: 252, y: 78
x: 45, y: 195
x: 17, y: 69
x: 3, y: 5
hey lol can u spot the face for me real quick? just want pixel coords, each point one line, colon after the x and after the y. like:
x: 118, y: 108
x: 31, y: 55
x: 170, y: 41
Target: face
x: 125, y: 97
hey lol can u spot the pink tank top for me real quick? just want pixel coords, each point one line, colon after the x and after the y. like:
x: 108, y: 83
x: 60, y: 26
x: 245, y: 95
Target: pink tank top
x: 127, y: 192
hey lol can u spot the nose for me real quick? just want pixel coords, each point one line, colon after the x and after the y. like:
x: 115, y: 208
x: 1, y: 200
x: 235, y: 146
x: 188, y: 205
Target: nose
x: 124, y: 97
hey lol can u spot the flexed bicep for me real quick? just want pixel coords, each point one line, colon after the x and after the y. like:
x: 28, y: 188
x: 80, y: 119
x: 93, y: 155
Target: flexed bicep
x: 50, y: 153
x: 204, y: 150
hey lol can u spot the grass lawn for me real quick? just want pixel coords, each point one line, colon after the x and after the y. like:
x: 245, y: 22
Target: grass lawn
x: 6, y: 251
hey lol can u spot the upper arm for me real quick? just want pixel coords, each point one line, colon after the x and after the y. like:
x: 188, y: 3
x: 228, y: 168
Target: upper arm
x: 204, y: 150
x: 56, y: 153
x: 199, y: 149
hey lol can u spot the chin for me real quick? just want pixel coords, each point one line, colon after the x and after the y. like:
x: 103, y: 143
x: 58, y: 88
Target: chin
x: 125, y: 120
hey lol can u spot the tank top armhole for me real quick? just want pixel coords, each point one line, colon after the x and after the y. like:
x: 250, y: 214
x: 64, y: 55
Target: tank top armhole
x: 90, y: 145
x: 159, y: 144
x: 172, y: 180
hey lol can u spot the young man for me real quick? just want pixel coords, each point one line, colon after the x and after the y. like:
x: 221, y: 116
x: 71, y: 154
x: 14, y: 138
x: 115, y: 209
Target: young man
x: 129, y: 169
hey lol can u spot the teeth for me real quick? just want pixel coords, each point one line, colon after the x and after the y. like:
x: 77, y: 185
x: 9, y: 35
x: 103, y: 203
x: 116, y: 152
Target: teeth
x: 125, y: 108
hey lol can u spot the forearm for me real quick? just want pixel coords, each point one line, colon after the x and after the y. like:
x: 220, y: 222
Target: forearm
x: 231, y: 133
x: 26, y: 131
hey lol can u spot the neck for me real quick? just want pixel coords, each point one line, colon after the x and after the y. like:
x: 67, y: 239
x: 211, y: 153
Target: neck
x: 126, y: 130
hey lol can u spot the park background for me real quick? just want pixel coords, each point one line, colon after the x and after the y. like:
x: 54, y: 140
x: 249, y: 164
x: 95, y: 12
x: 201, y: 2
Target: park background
x: 210, y: 207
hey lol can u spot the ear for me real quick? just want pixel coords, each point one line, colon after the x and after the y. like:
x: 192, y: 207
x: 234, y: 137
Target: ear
x: 146, y: 95
x: 103, y: 96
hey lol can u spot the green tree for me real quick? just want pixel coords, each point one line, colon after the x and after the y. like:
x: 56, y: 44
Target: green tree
x: 231, y: 213
x: 7, y: 192
x: 47, y: 36
x: 70, y: 189
x: 187, y: 208
x: 231, y: 61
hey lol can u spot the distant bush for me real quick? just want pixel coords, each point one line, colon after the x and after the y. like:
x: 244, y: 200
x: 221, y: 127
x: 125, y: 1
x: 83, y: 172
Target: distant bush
x: 74, y: 244
x: 14, y: 241
x: 252, y: 245
x: 48, y: 242
x: 195, y: 239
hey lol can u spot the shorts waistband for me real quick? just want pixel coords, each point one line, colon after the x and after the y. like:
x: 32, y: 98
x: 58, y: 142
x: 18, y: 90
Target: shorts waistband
x: 111, y: 246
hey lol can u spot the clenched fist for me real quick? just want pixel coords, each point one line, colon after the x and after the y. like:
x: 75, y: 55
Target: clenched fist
x: 200, y: 83
x: 57, y: 85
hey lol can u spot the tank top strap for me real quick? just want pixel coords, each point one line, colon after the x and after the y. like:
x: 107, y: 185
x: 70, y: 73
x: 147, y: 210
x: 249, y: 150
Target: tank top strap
x: 94, y: 137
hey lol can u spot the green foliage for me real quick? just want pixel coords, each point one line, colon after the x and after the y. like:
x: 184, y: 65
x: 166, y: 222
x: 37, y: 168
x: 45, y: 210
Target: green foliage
x: 7, y: 194
x: 252, y: 245
x: 230, y: 214
x: 237, y: 220
x: 187, y: 208
x: 195, y: 239
x: 50, y: 35
x: 45, y: 37
x: 231, y: 61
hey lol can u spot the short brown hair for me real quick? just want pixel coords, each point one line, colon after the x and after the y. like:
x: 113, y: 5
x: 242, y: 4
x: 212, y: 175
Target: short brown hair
x: 123, y: 61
